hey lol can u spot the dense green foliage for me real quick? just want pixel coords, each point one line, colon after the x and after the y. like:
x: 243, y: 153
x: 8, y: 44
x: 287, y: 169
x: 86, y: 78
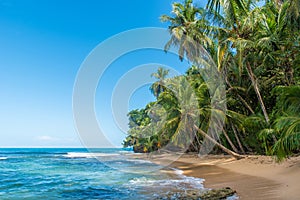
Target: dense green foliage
x: 256, y: 51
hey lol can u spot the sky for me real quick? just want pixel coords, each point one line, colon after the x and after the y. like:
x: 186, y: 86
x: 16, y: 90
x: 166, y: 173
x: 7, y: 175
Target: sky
x: 42, y: 47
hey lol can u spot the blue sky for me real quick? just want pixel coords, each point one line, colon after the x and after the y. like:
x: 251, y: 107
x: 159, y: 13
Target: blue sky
x: 42, y: 45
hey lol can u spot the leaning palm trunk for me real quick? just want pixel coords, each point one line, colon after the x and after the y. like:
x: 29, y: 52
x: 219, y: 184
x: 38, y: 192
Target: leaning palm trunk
x: 229, y: 141
x: 255, y: 85
x: 256, y: 89
x: 237, y: 138
x: 226, y: 150
x: 197, y: 139
x: 239, y: 96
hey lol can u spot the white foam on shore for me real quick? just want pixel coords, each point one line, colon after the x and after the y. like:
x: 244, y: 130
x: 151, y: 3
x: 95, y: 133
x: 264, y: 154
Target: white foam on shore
x: 126, y: 152
x: 138, y: 161
x: 88, y: 155
x: 182, y: 183
x: 177, y: 171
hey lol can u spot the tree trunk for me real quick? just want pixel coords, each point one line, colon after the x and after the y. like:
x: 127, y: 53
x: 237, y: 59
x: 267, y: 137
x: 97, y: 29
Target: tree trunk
x: 198, y: 142
x: 226, y: 150
x: 230, y: 142
x: 237, y: 138
x: 255, y: 85
x: 239, y: 96
x: 256, y: 89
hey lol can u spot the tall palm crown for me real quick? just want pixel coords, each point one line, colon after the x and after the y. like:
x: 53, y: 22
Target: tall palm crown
x: 159, y: 86
x: 188, y: 28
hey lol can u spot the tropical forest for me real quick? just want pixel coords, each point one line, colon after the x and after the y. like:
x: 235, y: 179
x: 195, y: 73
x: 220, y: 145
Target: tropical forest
x: 241, y: 93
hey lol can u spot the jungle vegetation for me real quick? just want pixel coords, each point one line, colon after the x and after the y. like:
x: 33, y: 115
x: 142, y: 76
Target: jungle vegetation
x: 255, y: 46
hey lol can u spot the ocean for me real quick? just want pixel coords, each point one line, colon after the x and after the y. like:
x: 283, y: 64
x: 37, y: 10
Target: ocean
x: 54, y: 173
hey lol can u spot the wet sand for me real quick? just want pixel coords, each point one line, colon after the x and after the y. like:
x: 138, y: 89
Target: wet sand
x: 247, y: 187
x: 254, y: 177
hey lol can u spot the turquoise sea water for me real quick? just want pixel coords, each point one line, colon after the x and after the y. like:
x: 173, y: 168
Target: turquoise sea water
x: 77, y: 174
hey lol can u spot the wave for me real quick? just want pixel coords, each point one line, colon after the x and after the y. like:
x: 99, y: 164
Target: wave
x: 126, y: 152
x: 88, y: 155
x: 139, y: 161
x: 178, y: 172
x: 3, y: 158
x: 182, y: 183
x: 31, y: 152
x: 161, y: 187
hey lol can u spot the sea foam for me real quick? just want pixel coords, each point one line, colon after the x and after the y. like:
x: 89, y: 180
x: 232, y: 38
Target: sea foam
x: 88, y: 155
x: 138, y: 161
x: 181, y: 183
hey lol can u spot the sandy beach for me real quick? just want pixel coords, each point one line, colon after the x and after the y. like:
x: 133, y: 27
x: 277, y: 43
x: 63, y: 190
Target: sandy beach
x: 254, y: 177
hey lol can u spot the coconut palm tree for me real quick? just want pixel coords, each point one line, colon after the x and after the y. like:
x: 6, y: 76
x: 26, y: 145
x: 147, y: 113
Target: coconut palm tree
x: 182, y: 114
x: 192, y: 120
x: 158, y: 87
x: 256, y: 49
x: 189, y: 29
x: 230, y: 7
x: 286, y: 124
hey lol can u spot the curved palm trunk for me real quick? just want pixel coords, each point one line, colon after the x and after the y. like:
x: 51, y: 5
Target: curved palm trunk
x: 256, y: 89
x: 226, y: 150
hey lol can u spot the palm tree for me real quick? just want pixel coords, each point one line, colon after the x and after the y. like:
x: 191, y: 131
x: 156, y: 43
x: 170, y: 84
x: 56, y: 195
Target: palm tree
x: 189, y: 30
x: 256, y: 49
x: 191, y: 34
x: 286, y: 124
x: 237, y: 13
x: 183, y: 113
x: 192, y: 120
x: 203, y: 95
x: 226, y: 150
x: 230, y: 7
x: 159, y: 86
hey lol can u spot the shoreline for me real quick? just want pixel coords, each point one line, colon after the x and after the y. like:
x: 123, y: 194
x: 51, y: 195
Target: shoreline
x: 254, y: 177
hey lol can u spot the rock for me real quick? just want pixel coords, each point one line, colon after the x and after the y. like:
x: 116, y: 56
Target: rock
x: 214, y: 194
x: 138, y: 149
